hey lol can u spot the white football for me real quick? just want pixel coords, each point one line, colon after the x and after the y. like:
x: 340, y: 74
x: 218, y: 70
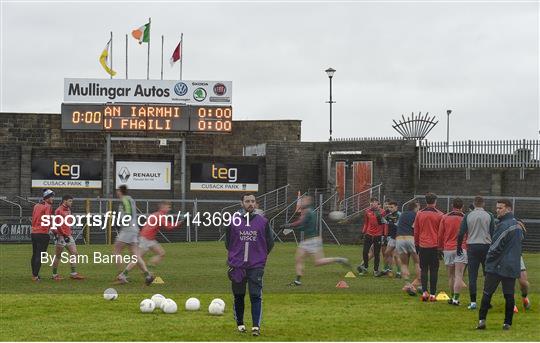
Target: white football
x: 336, y: 215
x: 169, y: 306
x: 220, y: 302
x: 147, y: 306
x: 110, y: 294
x: 193, y: 304
x: 215, y: 309
x: 157, y: 299
x: 163, y: 303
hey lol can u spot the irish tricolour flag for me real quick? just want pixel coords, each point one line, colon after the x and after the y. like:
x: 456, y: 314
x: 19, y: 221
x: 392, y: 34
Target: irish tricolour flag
x: 142, y: 34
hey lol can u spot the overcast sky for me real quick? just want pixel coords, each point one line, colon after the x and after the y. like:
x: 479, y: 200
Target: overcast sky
x: 479, y: 59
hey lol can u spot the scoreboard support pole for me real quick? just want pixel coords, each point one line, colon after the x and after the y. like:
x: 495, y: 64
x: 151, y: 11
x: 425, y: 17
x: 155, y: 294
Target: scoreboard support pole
x: 183, y: 174
x: 108, y: 167
x: 148, y: 139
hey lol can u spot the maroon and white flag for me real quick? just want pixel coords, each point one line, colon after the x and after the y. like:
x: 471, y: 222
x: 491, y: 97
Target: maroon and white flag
x: 177, y: 54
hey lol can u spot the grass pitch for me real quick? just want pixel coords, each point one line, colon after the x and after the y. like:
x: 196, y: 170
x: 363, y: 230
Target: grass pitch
x: 371, y: 309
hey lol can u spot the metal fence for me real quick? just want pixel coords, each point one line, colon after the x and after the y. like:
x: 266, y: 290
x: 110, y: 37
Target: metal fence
x: 14, y: 208
x: 358, y: 202
x: 265, y: 202
x: 480, y: 154
x: 19, y: 209
x: 106, y: 232
x: 362, y: 139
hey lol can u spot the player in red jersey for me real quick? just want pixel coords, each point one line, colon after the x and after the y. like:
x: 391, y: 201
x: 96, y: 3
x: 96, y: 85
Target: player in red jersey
x: 147, y: 236
x: 40, y: 231
x: 455, y: 264
x: 64, y: 239
x: 373, y: 230
x: 426, y: 230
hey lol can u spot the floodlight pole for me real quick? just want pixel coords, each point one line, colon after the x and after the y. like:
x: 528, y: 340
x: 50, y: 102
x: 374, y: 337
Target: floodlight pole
x: 330, y: 72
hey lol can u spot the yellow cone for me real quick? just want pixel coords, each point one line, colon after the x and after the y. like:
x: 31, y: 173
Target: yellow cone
x: 442, y: 296
x: 158, y: 280
x: 350, y: 274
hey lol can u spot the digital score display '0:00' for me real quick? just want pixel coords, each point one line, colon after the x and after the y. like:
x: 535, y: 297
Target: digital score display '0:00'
x: 145, y: 117
x: 213, y: 119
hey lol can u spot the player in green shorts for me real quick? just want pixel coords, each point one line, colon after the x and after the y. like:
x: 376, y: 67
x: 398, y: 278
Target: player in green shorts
x: 312, y: 243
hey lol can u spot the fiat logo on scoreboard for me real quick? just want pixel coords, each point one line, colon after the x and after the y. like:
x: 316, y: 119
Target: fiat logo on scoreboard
x: 220, y: 89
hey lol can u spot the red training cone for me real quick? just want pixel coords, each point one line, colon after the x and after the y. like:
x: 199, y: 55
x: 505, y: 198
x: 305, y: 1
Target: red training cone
x: 342, y: 284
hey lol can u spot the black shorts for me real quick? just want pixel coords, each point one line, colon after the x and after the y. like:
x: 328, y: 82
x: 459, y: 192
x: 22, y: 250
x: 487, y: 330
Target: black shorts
x: 254, y: 280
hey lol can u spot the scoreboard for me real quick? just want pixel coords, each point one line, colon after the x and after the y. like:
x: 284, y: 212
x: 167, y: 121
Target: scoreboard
x: 146, y: 117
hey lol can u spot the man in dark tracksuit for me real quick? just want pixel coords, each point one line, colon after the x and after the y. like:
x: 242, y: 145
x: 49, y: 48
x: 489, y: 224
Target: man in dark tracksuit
x: 478, y: 225
x: 502, y: 263
x: 248, y: 245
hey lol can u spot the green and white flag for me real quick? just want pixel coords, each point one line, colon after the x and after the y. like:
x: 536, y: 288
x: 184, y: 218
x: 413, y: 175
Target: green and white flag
x: 142, y: 34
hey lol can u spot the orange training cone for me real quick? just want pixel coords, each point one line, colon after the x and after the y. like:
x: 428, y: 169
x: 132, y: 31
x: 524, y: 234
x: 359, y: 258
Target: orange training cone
x: 515, y: 309
x: 342, y: 284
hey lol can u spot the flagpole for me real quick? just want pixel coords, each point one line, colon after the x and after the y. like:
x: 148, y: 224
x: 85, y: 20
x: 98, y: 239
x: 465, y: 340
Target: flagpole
x: 126, y: 56
x: 162, y: 39
x: 111, y: 55
x: 181, y: 53
x: 148, y: 57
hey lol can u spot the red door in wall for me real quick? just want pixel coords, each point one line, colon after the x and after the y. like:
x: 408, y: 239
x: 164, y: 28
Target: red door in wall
x: 340, y: 179
x: 362, y: 176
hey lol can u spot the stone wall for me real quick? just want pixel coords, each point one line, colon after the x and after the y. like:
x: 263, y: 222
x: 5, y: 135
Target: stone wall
x: 25, y: 136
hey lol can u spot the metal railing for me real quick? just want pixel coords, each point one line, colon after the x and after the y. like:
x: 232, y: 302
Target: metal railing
x: 288, y: 213
x: 292, y: 212
x: 362, y: 139
x: 99, y: 206
x: 12, y: 204
x: 480, y: 154
x: 359, y: 202
x: 331, y: 204
x: 267, y: 201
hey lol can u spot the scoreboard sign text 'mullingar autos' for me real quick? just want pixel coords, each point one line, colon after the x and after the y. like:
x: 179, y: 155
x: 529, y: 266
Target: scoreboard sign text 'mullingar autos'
x: 230, y: 177
x: 214, y: 93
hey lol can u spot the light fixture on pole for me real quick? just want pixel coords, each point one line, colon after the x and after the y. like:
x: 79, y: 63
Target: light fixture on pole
x: 448, y: 127
x: 330, y: 72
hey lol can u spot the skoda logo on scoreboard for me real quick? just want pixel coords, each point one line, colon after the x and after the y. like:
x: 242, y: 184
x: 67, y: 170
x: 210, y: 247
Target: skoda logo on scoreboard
x: 199, y: 94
